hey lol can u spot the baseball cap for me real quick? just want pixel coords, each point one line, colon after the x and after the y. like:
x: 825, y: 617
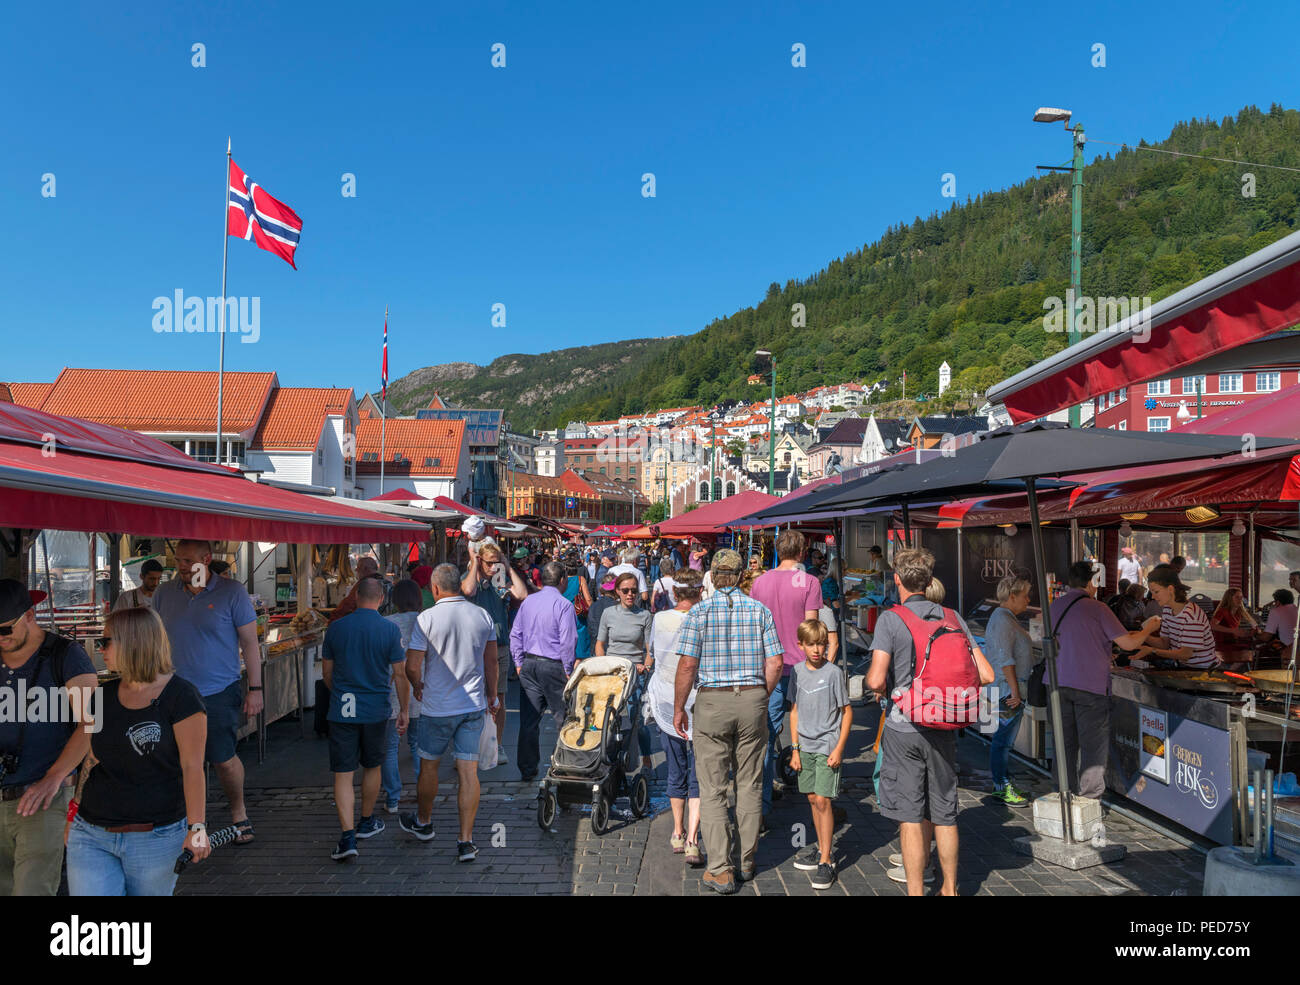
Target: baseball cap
x: 607, y: 585
x: 15, y: 599
x: 520, y: 554
x: 726, y: 560
x: 474, y: 527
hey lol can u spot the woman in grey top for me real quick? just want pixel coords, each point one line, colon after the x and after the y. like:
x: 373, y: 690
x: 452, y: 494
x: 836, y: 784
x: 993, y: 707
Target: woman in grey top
x: 1006, y: 644
x: 625, y: 632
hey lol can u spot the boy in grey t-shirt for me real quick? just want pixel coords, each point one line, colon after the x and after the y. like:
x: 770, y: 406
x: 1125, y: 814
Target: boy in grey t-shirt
x: 820, y: 722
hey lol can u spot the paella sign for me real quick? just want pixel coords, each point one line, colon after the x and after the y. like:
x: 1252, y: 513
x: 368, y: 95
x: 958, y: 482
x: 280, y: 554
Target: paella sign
x: 1153, y: 737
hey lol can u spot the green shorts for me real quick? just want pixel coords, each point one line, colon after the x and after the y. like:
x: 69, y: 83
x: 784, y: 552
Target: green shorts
x: 815, y: 776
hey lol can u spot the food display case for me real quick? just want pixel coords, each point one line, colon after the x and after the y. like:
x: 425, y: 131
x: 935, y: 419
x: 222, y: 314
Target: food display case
x: 289, y: 648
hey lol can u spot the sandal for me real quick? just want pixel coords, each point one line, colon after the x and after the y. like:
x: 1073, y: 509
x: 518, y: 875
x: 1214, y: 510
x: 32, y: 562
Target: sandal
x: 679, y: 844
x: 245, y: 829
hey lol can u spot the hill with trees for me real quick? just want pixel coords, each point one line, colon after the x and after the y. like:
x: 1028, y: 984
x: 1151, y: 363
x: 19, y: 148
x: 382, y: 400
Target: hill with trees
x: 966, y: 285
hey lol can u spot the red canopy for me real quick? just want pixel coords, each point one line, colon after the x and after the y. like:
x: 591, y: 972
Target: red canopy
x: 716, y: 517
x: 1232, y: 307
x: 68, y: 474
x: 1275, y: 416
x: 397, y: 496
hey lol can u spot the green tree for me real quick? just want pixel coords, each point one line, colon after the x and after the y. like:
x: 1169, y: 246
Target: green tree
x: 655, y: 513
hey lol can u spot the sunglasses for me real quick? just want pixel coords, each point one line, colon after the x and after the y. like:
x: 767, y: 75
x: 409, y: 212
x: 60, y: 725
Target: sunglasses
x: 8, y: 628
x: 627, y: 591
x: 101, y: 642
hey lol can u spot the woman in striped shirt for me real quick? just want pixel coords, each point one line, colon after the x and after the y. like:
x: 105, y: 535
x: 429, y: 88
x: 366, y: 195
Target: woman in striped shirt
x: 1185, y: 634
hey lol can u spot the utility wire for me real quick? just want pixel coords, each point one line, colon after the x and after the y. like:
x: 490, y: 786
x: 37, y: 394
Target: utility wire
x: 1199, y: 157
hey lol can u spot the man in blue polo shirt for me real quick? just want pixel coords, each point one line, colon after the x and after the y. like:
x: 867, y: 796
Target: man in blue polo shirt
x: 210, y: 621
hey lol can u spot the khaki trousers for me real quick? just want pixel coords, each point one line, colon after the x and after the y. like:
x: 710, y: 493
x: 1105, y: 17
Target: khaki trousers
x: 31, y: 848
x: 730, y: 733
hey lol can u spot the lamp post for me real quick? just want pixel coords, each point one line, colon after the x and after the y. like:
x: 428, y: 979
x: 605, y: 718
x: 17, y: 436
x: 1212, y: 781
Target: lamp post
x: 771, y: 426
x: 1049, y: 114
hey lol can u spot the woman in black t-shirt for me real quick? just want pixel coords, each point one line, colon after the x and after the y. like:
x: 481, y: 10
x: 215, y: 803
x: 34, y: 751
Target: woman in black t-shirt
x: 145, y: 798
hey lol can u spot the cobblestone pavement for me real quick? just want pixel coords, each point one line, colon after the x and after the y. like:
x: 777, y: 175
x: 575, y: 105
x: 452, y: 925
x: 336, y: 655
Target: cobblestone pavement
x: 293, y: 810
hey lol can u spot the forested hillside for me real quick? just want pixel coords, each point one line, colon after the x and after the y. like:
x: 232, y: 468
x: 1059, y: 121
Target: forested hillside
x: 966, y: 285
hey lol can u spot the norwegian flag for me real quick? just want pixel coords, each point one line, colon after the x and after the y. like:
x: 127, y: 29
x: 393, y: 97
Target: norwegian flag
x: 255, y: 215
x: 384, y: 372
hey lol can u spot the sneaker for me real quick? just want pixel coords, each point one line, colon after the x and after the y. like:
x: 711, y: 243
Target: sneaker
x: 809, y: 860
x: 466, y: 851
x: 693, y: 857
x: 411, y: 825
x: 369, y: 827
x: 391, y: 807
x: 746, y: 875
x: 824, y: 877
x: 1010, y: 796
x: 347, y: 847
x: 896, y: 860
x: 723, y: 885
x: 678, y: 844
x: 899, y: 874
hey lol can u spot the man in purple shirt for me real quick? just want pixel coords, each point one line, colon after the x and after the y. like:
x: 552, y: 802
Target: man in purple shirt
x: 1085, y: 628
x: 543, y: 642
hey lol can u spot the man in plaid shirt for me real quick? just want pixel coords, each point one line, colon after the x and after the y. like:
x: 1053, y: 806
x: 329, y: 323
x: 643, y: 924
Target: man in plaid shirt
x: 730, y: 642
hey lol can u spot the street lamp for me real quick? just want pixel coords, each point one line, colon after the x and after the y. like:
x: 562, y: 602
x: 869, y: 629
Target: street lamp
x: 1051, y: 114
x: 771, y: 426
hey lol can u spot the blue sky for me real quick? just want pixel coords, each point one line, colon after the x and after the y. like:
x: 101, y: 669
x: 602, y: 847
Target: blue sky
x: 522, y: 185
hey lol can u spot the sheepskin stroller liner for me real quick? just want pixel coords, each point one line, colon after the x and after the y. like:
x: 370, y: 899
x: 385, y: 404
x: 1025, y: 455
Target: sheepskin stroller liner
x: 593, y: 734
x: 596, y: 759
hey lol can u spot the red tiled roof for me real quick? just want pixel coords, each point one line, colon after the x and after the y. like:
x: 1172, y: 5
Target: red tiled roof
x: 415, y: 441
x: 30, y: 394
x: 160, y: 401
x: 295, y: 416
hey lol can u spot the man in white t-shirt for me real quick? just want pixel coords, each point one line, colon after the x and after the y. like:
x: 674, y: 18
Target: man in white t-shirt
x: 151, y: 573
x: 1129, y: 567
x: 1281, y: 618
x: 629, y: 565
x: 451, y: 663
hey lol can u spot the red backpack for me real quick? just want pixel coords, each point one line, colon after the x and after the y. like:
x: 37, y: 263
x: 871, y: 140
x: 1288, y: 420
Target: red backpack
x: 945, y: 688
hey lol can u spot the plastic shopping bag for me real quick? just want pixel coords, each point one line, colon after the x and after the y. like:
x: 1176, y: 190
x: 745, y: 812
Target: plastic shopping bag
x: 487, y: 743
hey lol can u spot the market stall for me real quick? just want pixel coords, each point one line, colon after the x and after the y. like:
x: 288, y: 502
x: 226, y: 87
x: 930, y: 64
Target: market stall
x: 68, y: 475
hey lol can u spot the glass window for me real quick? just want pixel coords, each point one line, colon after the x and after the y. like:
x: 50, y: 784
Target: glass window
x: 1157, y: 424
x: 1206, y: 572
x: 1158, y: 388
x: 1230, y: 383
x: 1122, y: 426
x: 1268, y: 382
x: 1276, y: 562
x: 204, y: 451
x: 1189, y: 384
x: 1150, y: 548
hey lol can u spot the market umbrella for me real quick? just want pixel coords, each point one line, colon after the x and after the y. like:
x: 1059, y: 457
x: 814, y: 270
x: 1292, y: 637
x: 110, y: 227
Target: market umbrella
x: 1025, y: 454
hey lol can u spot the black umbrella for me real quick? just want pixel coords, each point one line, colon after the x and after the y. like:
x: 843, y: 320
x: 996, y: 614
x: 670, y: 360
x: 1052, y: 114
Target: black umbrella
x: 1022, y: 455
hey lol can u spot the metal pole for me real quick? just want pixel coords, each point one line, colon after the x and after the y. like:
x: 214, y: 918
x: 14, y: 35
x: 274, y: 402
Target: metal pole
x: 383, y: 412
x: 1049, y: 654
x: 1076, y: 249
x: 771, y: 437
x: 1250, y: 561
x: 221, y: 332
x: 961, y: 581
x: 1198, y: 397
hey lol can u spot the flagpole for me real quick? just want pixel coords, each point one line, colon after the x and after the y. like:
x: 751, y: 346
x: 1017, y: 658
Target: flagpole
x: 383, y: 409
x: 221, y: 357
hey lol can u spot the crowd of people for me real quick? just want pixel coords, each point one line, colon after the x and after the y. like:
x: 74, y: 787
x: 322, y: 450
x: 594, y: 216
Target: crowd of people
x: 723, y: 649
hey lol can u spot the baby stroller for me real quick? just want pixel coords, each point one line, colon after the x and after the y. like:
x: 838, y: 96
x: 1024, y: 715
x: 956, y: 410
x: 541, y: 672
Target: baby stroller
x: 596, y: 759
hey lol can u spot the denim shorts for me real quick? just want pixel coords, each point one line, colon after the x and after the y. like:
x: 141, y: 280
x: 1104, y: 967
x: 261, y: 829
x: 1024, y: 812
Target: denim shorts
x: 129, y: 863
x: 225, y: 714
x: 461, y: 732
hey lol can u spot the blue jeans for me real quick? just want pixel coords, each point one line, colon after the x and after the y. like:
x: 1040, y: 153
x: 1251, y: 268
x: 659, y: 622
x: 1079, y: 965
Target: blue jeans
x: 132, y: 863
x: 775, y: 723
x: 1000, y: 747
x: 391, y: 775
